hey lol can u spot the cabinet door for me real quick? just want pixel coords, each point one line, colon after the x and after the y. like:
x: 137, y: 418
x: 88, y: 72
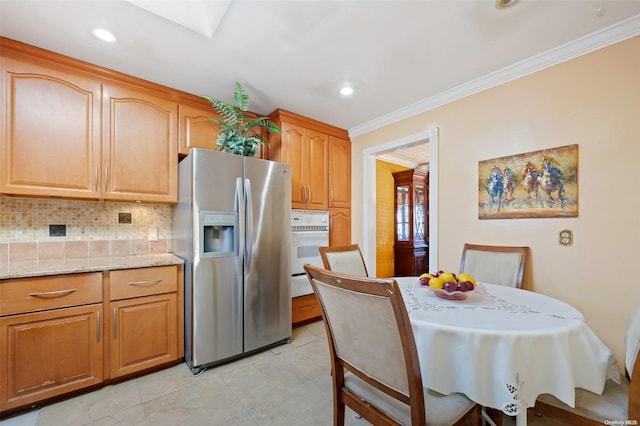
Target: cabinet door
x: 49, y: 353
x: 143, y: 333
x: 339, y: 172
x: 317, y: 170
x: 195, y: 131
x: 50, y: 132
x: 140, y: 146
x: 339, y: 227
x: 292, y: 153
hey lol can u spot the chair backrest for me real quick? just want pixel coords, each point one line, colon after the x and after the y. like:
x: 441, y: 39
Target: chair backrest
x: 632, y: 362
x: 370, y: 335
x: 345, y: 259
x: 502, y: 265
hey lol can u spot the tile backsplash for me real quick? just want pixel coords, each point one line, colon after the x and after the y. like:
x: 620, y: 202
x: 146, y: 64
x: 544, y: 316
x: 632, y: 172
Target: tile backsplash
x: 92, y: 228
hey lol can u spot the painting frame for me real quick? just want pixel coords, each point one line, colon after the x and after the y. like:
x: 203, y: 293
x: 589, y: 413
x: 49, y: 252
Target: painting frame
x: 537, y: 184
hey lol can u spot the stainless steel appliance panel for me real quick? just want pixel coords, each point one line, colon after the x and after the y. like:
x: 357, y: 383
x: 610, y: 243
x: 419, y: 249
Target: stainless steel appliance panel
x: 183, y: 246
x: 232, y: 231
x: 267, y: 313
x: 217, y: 287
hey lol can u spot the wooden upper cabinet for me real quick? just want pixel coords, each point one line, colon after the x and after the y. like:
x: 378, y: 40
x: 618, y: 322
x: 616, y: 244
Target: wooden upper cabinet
x: 140, y: 146
x: 317, y: 170
x: 75, y: 130
x: 339, y: 172
x: 50, y: 131
x: 195, y: 131
x: 292, y: 153
x: 306, y: 151
x: 304, y: 145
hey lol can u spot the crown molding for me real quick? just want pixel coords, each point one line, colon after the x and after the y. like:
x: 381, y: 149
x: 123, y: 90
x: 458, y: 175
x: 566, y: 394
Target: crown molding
x: 602, y: 38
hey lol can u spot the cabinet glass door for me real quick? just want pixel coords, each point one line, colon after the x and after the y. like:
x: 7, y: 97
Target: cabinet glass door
x: 419, y: 213
x: 402, y: 213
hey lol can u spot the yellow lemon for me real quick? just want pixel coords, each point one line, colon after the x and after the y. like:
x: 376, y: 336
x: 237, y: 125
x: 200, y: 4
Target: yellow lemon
x: 447, y: 276
x: 436, y: 283
x: 467, y: 277
x: 426, y: 275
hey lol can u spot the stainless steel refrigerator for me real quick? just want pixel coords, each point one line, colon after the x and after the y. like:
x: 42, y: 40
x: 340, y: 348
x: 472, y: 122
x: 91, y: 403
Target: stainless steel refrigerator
x: 232, y: 227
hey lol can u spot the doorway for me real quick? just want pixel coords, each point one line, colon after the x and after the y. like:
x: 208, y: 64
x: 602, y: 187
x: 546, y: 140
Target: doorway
x: 370, y: 156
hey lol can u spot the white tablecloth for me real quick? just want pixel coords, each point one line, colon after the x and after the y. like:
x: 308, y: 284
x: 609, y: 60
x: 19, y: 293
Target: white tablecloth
x: 504, y: 346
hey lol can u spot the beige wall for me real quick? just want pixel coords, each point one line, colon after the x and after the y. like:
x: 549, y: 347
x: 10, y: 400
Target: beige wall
x: 592, y: 101
x: 384, y: 217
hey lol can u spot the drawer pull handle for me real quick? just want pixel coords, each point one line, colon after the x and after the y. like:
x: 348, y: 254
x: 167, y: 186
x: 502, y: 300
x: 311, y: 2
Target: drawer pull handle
x: 53, y: 294
x: 306, y: 308
x: 98, y: 327
x: 147, y: 282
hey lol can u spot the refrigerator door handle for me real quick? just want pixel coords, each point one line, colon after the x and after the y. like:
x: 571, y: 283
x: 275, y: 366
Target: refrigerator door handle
x: 249, y: 223
x: 239, y: 225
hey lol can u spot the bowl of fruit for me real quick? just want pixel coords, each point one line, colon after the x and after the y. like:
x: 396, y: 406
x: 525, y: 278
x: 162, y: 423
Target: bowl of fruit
x: 448, y: 285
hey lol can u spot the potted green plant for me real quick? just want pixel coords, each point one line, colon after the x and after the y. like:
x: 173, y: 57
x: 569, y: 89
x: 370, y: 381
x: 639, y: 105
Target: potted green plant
x: 237, y: 134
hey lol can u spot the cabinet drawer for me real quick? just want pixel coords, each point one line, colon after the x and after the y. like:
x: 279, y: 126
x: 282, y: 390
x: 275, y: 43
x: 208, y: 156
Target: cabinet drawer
x: 128, y: 283
x: 305, y: 308
x: 41, y: 293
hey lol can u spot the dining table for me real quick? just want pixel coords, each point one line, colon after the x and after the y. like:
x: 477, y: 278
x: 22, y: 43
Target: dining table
x: 503, y: 347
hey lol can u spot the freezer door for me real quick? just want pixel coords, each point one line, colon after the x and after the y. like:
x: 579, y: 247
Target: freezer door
x: 267, y: 299
x: 217, y: 298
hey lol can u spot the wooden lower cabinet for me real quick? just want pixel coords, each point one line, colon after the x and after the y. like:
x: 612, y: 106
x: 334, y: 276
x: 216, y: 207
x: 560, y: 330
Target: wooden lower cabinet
x: 49, y: 353
x: 305, y: 309
x: 339, y: 226
x: 63, y: 333
x: 411, y: 261
x: 143, y: 333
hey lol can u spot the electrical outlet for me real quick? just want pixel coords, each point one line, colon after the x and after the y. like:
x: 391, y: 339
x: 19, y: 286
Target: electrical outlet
x: 124, y: 217
x: 57, y: 230
x: 153, y: 234
x: 566, y: 237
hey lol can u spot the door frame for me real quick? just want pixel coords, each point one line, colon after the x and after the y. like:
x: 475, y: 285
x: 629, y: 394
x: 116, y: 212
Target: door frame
x: 369, y: 156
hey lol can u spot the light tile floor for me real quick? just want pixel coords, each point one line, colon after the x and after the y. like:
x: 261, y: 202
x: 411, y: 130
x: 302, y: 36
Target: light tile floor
x: 286, y: 385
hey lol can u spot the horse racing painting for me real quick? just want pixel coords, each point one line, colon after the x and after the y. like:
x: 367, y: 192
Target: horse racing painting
x: 535, y: 184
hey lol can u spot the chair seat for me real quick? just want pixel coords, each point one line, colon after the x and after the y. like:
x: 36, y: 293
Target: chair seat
x: 612, y: 404
x: 442, y: 410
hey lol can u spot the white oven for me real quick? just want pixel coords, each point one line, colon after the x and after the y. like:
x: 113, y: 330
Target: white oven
x: 309, y: 230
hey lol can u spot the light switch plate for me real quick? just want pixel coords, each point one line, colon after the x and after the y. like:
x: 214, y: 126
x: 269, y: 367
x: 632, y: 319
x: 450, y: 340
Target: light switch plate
x: 153, y: 234
x: 566, y: 237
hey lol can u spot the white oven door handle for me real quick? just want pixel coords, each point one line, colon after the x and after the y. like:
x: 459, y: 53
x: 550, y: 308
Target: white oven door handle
x: 315, y: 234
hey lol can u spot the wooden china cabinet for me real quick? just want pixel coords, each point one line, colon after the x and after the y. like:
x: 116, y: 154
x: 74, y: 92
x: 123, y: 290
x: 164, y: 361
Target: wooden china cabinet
x: 411, y: 243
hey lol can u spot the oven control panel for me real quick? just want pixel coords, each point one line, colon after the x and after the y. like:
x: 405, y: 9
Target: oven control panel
x: 309, y: 220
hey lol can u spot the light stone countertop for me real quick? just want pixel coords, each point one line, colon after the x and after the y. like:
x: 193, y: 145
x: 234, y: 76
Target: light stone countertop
x: 34, y: 268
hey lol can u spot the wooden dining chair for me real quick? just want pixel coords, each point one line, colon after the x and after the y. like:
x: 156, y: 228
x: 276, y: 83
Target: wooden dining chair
x: 618, y: 401
x: 346, y: 259
x: 502, y: 265
x: 374, y: 360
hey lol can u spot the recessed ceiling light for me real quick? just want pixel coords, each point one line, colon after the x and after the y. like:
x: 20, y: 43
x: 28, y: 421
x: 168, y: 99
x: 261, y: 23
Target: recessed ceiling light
x: 346, y: 91
x: 104, y: 35
x: 503, y: 4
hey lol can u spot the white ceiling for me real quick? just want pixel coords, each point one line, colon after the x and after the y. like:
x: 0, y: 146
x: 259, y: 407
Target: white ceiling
x: 401, y: 56
x: 412, y: 157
